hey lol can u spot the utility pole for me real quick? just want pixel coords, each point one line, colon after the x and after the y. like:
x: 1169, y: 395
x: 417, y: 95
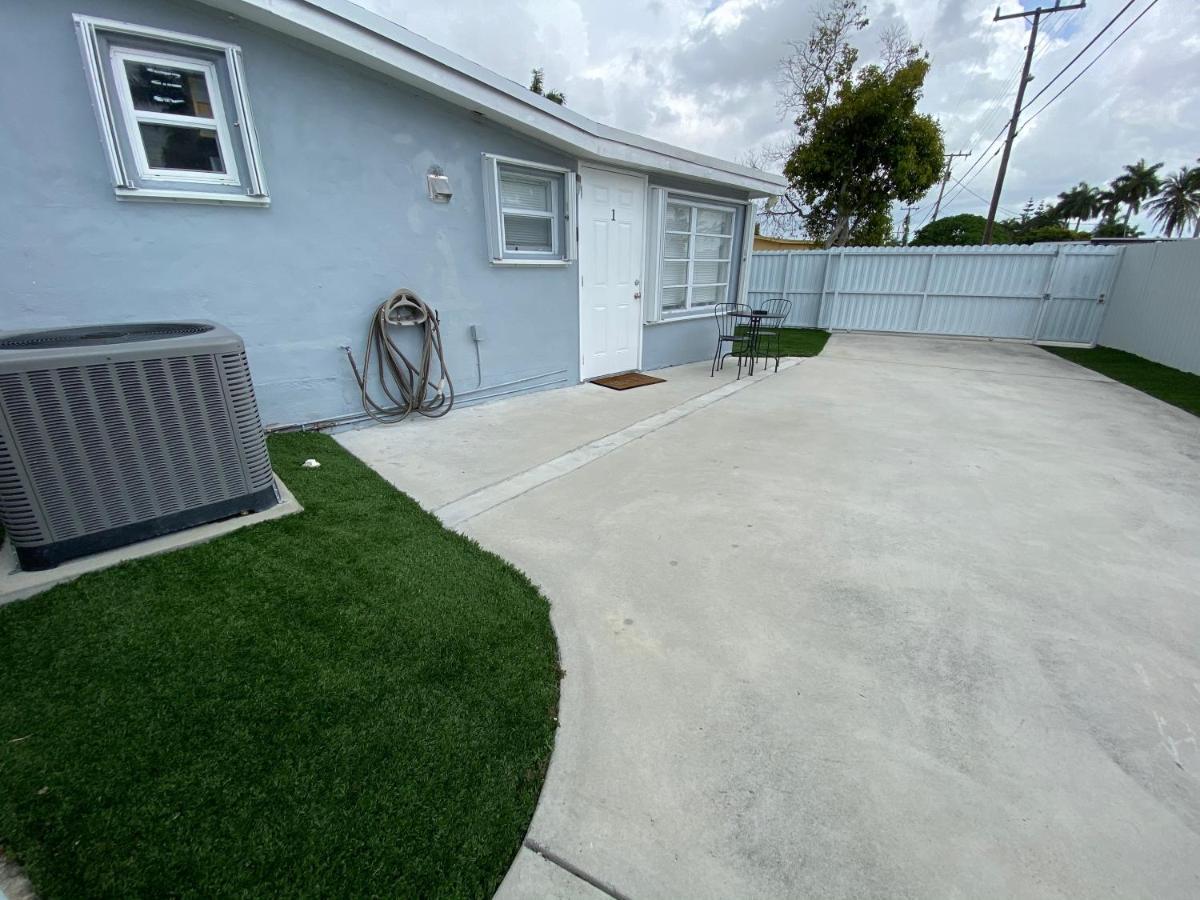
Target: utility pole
x: 907, y: 219
x: 945, y: 177
x: 1025, y: 79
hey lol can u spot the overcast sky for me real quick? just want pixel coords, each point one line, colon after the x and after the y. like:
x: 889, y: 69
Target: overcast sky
x: 702, y: 75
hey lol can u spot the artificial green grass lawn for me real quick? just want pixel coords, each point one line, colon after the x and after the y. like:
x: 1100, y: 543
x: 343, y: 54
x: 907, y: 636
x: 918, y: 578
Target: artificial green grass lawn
x: 801, y: 341
x: 1178, y: 388
x: 350, y: 701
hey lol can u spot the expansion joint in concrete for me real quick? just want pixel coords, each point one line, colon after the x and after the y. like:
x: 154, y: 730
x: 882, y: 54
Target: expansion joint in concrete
x: 552, y: 857
x: 455, y: 513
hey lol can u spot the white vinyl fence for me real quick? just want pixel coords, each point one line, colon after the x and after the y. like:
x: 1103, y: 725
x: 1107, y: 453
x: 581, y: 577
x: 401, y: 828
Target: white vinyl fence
x: 1155, y: 309
x: 1041, y: 292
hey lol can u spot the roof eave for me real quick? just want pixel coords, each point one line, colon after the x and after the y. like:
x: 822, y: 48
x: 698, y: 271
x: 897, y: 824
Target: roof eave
x: 352, y: 32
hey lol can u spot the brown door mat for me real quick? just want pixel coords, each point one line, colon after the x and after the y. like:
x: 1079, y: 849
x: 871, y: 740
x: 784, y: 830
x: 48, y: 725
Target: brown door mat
x: 626, y: 381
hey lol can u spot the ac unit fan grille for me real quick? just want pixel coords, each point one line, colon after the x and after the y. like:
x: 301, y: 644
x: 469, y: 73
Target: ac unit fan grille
x: 112, y: 444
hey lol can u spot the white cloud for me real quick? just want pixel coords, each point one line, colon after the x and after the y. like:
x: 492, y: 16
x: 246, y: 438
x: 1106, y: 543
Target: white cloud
x: 702, y: 74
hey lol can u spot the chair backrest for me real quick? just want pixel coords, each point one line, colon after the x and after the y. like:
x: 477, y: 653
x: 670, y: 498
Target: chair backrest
x: 777, y: 306
x: 726, y: 321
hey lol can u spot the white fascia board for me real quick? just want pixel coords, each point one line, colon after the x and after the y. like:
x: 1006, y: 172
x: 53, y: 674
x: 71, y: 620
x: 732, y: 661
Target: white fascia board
x: 348, y: 30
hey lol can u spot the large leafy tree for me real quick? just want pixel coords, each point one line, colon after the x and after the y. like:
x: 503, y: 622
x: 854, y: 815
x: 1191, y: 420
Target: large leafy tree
x: 812, y: 79
x: 1135, y: 186
x: 808, y: 80
x: 1047, y: 234
x: 809, y: 76
x: 964, y: 230
x: 1178, y: 204
x: 868, y: 149
x: 1111, y: 228
x: 1079, y: 203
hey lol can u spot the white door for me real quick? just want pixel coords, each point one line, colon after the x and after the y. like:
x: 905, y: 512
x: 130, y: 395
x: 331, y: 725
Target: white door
x: 612, y: 218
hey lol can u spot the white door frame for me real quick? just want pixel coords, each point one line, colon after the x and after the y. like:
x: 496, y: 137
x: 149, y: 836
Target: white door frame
x: 582, y: 166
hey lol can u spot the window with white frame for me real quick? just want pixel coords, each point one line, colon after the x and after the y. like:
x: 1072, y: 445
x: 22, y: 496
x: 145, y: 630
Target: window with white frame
x: 172, y: 111
x: 174, y: 115
x: 697, y: 254
x: 528, y: 211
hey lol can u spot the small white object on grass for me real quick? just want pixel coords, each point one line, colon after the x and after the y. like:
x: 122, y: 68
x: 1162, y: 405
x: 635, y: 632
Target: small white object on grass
x: 310, y: 464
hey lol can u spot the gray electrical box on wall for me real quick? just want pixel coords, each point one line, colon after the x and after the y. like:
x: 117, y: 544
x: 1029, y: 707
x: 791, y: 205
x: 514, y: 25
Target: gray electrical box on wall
x: 111, y: 434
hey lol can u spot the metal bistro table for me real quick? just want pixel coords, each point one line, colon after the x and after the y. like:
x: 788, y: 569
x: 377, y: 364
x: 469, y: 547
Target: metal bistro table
x: 755, y: 318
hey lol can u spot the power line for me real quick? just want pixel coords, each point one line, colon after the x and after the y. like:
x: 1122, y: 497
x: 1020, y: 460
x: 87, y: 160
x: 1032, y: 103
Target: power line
x: 1086, y: 46
x: 907, y: 222
x: 962, y: 187
x: 950, y: 157
x: 966, y: 176
x: 1012, y: 122
x: 1063, y: 25
x: 995, y: 105
x: 1095, y: 60
x: 1011, y: 212
x: 984, y: 158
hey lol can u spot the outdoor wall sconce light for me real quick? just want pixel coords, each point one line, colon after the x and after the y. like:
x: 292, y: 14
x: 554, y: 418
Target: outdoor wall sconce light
x: 439, y: 185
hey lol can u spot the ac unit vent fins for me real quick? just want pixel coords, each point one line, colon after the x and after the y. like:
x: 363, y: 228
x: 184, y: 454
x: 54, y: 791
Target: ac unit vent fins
x: 101, y: 335
x: 105, y: 442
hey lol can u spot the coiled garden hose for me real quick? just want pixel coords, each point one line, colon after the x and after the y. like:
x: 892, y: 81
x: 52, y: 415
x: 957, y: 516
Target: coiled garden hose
x: 407, y: 387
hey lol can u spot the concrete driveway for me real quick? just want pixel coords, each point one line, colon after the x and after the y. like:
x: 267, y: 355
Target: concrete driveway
x: 914, y: 618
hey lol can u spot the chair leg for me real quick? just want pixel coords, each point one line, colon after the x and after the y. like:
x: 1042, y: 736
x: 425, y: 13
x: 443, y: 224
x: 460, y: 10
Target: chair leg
x: 716, y: 356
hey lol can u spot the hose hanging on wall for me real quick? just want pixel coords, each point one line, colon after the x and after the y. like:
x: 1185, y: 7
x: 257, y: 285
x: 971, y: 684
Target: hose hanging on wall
x: 408, y: 387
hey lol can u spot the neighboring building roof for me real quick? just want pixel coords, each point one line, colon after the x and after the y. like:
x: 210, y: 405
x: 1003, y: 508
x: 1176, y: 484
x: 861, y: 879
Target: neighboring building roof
x: 350, y: 31
x: 763, y: 242
x: 1130, y: 240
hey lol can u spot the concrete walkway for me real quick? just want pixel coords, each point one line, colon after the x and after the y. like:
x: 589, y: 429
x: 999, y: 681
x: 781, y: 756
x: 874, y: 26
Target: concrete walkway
x: 914, y: 618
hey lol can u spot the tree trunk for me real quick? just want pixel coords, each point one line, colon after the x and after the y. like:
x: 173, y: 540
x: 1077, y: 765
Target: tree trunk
x: 1125, y: 223
x: 1197, y: 234
x: 841, y: 231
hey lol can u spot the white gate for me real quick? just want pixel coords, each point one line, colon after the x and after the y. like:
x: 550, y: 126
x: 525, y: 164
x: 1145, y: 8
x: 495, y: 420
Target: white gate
x: 1041, y: 292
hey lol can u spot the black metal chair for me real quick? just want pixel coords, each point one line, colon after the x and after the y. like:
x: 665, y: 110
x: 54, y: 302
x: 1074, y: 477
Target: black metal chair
x: 777, y: 310
x: 727, y: 333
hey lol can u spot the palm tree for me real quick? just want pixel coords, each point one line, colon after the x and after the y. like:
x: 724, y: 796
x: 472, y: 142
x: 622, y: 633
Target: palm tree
x: 1196, y: 184
x: 1139, y: 183
x: 1079, y: 203
x: 1179, y: 202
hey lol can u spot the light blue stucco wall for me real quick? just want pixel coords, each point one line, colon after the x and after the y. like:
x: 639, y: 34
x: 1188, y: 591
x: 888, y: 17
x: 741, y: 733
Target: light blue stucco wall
x: 345, y: 153
x: 671, y: 343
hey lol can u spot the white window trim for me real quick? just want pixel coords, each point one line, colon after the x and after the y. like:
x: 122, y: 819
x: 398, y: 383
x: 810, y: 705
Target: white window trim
x: 695, y: 202
x: 494, y: 215
x: 552, y: 215
x: 134, y: 117
x: 107, y: 108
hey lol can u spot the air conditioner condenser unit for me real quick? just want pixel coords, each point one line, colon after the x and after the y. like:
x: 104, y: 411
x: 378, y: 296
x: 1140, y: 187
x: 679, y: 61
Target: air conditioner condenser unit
x: 111, y: 434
